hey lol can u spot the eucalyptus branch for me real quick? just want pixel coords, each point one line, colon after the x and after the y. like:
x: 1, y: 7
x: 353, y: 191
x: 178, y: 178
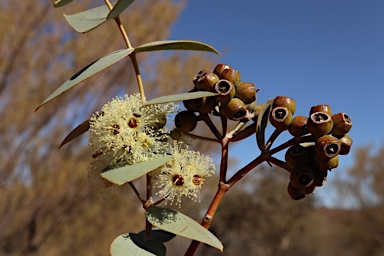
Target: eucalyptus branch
x: 272, y: 138
x: 198, y: 137
x: 211, y: 126
x: 238, y: 127
x: 136, y: 192
x: 278, y: 163
x: 245, y: 133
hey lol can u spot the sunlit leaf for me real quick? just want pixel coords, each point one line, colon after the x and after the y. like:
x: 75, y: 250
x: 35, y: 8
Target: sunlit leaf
x: 182, y: 225
x: 120, y: 6
x: 180, y: 97
x: 60, y: 3
x: 124, y: 245
x: 262, y: 122
x: 80, y: 129
x: 175, y: 45
x: 159, y: 234
x: 122, y: 175
x: 87, y: 20
x: 87, y: 72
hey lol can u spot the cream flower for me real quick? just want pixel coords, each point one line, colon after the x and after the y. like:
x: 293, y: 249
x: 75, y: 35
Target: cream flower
x: 129, y: 131
x: 183, y: 175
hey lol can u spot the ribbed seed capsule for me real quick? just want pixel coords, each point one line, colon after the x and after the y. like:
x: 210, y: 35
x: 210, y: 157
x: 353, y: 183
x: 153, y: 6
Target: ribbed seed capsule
x: 319, y: 124
x: 298, y: 126
x: 235, y: 109
x: 327, y: 146
x: 284, y: 101
x: 220, y: 68
x: 327, y: 164
x: 321, y: 108
x: 301, y: 177
x: 280, y: 118
x: 345, y: 144
x: 206, y: 81
x: 246, y: 92
x: 342, y: 124
x: 295, y: 193
x: 226, y: 91
x: 231, y: 75
x: 186, y: 121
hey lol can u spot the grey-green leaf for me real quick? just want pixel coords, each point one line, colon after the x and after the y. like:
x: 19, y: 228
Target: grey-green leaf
x: 122, y: 175
x: 176, y: 45
x: 159, y: 234
x: 149, y: 244
x: 180, y: 97
x: 120, y: 6
x: 60, y: 3
x: 87, y: 72
x: 80, y: 129
x: 262, y: 122
x: 123, y: 245
x: 182, y: 225
x: 88, y: 20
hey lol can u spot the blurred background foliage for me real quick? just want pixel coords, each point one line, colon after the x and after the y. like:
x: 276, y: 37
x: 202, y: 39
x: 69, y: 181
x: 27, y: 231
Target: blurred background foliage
x: 46, y: 205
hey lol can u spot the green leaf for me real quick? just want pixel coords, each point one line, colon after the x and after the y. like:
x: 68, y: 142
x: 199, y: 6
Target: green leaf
x: 88, y: 20
x: 180, y: 224
x: 180, y: 97
x: 80, y: 129
x: 149, y: 244
x: 120, y: 6
x: 87, y: 72
x: 124, y: 245
x: 175, y: 45
x: 262, y: 122
x: 159, y: 234
x: 60, y: 3
x: 122, y: 175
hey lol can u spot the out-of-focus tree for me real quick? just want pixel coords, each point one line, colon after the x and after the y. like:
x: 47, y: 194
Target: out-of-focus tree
x: 46, y: 205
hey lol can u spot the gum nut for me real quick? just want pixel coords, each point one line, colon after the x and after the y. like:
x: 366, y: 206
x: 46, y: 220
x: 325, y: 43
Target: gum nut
x: 284, y: 101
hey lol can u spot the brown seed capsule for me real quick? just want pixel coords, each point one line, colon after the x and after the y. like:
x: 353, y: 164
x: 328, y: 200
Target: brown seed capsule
x: 345, y: 144
x: 321, y: 108
x: 283, y: 101
x: 231, y: 75
x: 319, y: 177
x: 246, y: 92
x: 342, y: 124
x: 319, y: 124
x: 298, y: 126
x: 299, y: 155
x: 301, y: 177
x: 199, y: 75
x: 280, y: 118
x: 226, y: 91
x: 206, y: 81
x: 309, y: 190
x: 235, y: 109
x: 327, y: 164
x: 295, y: 193
x: 327, y: 147
x: 220, y: 68
x: 202, y: 105
x: 186, y: 121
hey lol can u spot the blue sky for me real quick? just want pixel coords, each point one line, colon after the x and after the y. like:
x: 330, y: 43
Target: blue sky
x: 317, y: 52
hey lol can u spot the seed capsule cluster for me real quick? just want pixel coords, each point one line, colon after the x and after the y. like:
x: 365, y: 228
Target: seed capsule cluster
x: 310, y: 162
x: 233, y: 100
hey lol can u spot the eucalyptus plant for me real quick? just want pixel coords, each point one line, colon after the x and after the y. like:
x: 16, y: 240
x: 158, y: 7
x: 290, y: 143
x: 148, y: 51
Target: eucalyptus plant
x: 129, y: 139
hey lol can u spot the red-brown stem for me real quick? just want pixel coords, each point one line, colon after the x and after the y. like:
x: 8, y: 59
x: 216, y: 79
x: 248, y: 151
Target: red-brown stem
x: 279, y: 163
x: 211, y: 126
x: 224, y: 124
x: 273, y: 137
x: 136, y: 192
x: 207, y: 220
x: 224, y: 159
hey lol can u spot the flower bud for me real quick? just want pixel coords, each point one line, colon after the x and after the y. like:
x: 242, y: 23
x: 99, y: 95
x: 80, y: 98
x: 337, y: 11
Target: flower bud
x: 186, y: 121
x: 231, y: 75
x: 283, y: 101
x: 206, y: 81
x: 345, y: 144
x: 280, y: 118
x: 226, y: 91
x: 327, y: 164
x: 299, y: 155
x: 298, y: 126
x: 319, y: 124
x: 301, y: 177
x: 341, y: 124
x: 246, y: 92
x: 175, y: 134
x: 220, y: 68
x: 235, y: 109
x: 321, y: 108
x: 327, y: 146
x: 202, y: 105
x: 295, y: 193
x: 159, y: 122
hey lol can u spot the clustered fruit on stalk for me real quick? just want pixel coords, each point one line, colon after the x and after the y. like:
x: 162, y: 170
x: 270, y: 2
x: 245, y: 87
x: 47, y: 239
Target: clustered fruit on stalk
x: 309, y: 163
